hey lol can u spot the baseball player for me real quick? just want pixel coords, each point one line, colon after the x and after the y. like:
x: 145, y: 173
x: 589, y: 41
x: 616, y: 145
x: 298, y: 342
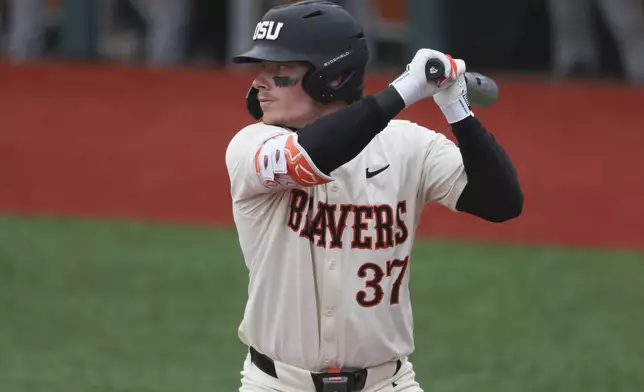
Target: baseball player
x: 327, y: 193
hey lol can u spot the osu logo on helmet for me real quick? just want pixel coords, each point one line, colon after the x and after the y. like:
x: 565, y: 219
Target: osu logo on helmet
x: 267, y: 30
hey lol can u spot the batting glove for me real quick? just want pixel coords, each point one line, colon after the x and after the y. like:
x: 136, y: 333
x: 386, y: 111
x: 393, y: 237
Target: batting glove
x: 412, y: 85
x: 453, y: 100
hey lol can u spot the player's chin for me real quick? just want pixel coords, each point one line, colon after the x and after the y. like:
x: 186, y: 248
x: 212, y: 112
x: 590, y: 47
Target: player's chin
x: 281, y: 118
x: 272, y: 118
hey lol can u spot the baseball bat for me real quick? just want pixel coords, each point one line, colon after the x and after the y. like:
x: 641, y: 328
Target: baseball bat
x: 481, y: 90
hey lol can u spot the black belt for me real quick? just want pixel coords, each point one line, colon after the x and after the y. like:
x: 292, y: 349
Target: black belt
x: 356, y: 379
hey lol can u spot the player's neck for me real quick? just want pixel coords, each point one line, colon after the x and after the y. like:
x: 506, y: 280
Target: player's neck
x: 320, y: 111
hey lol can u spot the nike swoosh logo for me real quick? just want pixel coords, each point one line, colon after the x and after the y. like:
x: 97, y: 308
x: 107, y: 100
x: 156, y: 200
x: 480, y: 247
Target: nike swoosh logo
x: 375, y: 173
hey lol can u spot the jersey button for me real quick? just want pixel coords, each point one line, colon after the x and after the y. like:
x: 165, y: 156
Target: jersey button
x: 334, y: 188
x: 332, y: 265
x: 329, y: 313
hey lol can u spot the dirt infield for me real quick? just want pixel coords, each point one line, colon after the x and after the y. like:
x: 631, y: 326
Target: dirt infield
x: 127, y: 142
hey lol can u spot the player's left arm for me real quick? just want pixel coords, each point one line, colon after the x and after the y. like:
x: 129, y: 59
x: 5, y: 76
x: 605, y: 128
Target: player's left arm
x: 492, y: 190
x: 477, y: 176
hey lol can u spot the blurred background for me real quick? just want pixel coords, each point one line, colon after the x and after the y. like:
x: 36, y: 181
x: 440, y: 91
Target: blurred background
x: 595, y: 38
x: 120, y: 268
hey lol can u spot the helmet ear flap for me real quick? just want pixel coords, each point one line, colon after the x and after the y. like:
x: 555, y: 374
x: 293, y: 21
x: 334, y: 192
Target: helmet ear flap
x: 349, y: 66
x: 317, y: 84
x: 314, y: 85
x: 252, y: 104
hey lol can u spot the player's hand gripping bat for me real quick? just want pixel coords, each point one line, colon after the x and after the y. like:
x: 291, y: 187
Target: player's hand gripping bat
x: 481, y: 90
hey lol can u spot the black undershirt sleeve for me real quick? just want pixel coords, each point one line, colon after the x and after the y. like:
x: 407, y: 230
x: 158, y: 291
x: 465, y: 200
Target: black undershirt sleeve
x: 492, y: 191
x: 337, y: 138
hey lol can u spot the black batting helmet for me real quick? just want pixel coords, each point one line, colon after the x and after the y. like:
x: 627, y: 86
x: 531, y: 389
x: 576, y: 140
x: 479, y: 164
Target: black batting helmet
x: 318, y: 32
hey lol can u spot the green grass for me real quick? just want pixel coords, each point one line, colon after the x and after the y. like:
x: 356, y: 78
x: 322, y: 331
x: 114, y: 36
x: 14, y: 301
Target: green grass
x: 134, y: 307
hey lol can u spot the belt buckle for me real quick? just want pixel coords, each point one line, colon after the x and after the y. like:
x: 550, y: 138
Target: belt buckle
x: 336, y: 380
x: 336, y: 383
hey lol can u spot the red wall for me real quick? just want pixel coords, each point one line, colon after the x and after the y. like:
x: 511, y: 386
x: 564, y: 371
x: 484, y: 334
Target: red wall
x: 126, y: 142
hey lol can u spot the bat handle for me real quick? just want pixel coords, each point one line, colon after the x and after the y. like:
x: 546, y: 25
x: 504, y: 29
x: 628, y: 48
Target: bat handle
x: 482, y: 90
x: 434, y: 70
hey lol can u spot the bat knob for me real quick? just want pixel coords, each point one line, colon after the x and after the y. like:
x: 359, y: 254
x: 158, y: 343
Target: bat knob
x: 434, y: 70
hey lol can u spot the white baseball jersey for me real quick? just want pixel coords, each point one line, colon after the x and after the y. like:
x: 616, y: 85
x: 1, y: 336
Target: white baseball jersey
x: 329, y: 256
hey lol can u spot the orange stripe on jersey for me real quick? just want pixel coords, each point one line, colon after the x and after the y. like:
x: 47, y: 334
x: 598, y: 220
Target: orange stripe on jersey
x: 299, y: 168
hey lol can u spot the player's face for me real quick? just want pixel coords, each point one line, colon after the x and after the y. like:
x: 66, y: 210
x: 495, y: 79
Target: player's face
x: 281, y: 95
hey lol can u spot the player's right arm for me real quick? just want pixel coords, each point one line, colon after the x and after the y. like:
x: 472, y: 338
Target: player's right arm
x: 337, y: 138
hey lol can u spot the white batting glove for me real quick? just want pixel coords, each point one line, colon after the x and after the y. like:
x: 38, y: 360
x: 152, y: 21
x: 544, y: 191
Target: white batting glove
x: 412, y: 85
x: 453, y: 100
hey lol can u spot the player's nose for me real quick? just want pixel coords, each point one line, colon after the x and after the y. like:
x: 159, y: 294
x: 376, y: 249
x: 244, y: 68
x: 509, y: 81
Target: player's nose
x: 261, y: 81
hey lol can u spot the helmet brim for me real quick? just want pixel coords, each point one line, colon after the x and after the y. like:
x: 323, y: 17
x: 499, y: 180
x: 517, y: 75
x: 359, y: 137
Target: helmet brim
x: 259, y: 53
